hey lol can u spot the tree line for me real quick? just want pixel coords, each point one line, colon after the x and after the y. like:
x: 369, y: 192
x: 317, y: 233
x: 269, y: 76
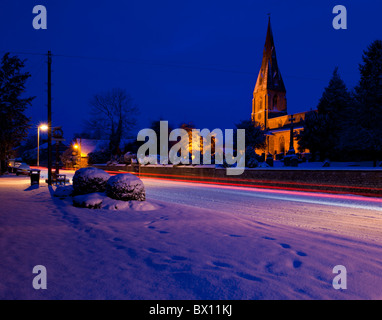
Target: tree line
x: 347, y: 125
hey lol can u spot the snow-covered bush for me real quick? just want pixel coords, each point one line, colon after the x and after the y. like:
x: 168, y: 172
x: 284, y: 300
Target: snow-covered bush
x: 63, y: 191
x: 150, y: 159
x: 129, y: 157
x: 125, y: 187
x: 90, y: 201
x: 264, y: 165
x: 88, y: 180
x: 326, y: 163
x: 112, y: 204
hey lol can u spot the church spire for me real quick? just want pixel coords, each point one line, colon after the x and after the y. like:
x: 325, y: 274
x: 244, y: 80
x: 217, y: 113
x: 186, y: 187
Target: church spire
x: 269, y: 95
x: 269, y: 43
x: 269, y: 75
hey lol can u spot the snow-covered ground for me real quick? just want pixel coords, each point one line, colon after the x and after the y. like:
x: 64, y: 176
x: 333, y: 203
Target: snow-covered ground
x: 198, y: 242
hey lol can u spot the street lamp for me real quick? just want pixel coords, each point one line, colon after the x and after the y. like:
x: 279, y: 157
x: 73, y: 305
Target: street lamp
x: 77, y: 147
x: 43, y: 127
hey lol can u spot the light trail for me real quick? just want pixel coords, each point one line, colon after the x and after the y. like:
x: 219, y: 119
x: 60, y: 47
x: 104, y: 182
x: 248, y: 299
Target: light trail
x: 194, y: 179
x: 347, y: 201
x: 280, y: 191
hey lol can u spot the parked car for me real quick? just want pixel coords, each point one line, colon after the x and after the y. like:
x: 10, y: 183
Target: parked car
x: 23, y: 168
x: 13, y: 164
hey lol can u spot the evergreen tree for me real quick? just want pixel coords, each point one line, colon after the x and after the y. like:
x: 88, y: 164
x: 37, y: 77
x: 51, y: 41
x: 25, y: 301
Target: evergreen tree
x: 323, y: 130
x: 335, y: 103
x: 254, y: 134
x: 335, y: 98
x: 14, y: 124
x: 368, y: 96
x: 316, y: 134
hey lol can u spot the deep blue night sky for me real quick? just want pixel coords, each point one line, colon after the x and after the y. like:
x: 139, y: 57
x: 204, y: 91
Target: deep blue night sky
x: 183, y: 60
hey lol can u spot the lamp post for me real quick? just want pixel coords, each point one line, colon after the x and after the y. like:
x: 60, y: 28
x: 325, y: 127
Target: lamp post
x: 43, y: 127
x: 77, y: 147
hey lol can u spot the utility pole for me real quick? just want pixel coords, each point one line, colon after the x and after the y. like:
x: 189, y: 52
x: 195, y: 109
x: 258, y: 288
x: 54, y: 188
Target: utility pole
x: 49, y: 118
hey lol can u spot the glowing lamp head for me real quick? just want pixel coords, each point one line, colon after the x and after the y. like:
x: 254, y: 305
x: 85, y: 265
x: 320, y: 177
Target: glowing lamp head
x: 75, y: 146
x: 43, y: 127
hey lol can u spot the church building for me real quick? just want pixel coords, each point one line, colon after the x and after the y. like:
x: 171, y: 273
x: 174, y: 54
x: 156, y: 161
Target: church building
x: 269, y: 104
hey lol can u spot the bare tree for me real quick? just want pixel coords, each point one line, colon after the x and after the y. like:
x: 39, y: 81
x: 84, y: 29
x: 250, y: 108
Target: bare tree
x: 115, y: 114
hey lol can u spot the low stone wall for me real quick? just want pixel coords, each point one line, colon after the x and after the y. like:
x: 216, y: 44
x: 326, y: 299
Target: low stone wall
x: 352, y: 181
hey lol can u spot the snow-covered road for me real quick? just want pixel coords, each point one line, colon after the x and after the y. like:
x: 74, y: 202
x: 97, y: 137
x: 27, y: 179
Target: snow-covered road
x: 349, y: 215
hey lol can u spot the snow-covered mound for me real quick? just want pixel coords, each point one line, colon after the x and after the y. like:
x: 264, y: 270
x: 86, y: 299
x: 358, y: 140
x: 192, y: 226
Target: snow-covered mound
x: 263, y: 165
x: 112, y: 204
x: 91, y: 201
x: 125, y: 187
x: 89, y: 180
x: 63, y: 191
x: 99, y: 200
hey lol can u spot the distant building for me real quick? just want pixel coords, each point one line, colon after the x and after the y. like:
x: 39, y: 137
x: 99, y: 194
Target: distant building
x: 91, y: 145
x: 269, y: 103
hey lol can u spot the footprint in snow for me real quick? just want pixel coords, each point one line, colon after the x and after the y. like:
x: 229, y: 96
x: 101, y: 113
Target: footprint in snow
x: 131, y: 252
x: 249, y: 277
x: 178, y: 258
x: 156, y: 266
x: 221, y: 264
x: 297, y: 264
x: 299, y: 253
x: 235, y: 236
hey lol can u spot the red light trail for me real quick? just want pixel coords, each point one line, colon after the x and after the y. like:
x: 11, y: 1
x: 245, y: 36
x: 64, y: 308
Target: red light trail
x: 257, y: 184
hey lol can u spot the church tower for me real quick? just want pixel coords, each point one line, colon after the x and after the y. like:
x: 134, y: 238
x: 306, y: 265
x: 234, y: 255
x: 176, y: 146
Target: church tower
x: 269, y: 95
